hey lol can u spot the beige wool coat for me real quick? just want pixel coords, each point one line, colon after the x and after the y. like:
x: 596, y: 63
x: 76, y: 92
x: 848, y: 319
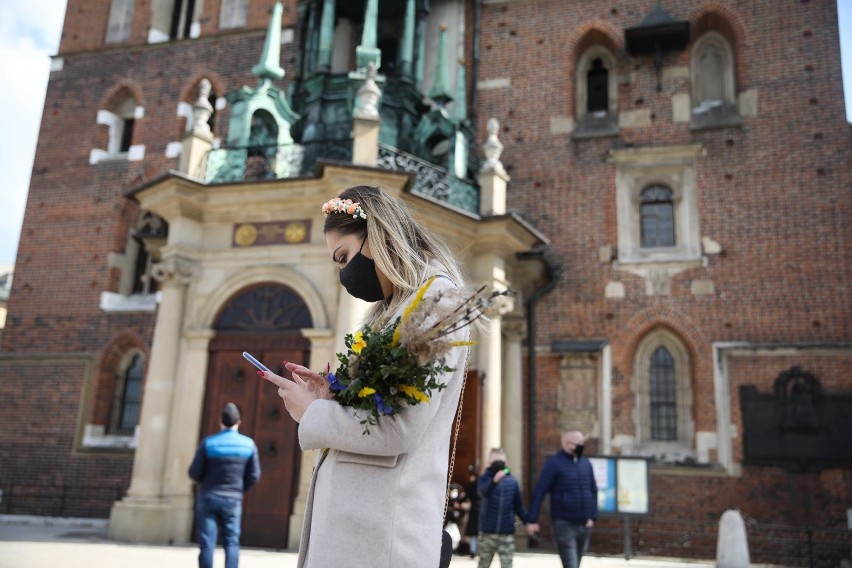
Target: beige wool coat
x: 377, y: 500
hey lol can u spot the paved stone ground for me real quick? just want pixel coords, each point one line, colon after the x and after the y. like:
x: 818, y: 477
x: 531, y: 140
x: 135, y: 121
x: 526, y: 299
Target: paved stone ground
x: 38, y: 542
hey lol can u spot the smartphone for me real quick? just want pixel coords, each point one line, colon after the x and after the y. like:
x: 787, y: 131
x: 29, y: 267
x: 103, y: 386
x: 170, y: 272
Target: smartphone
x: 255, y: 362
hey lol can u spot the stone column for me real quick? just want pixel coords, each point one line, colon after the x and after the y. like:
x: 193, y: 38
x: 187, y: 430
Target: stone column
x: 322, y: 352
x: 187, y: 408
x: 488, y: 268
x: 141, y: 515
x: 351, y: 312
x: 512, y: 417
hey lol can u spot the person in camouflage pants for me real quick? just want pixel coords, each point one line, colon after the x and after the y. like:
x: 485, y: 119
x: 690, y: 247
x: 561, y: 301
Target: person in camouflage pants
x: 501, y: 501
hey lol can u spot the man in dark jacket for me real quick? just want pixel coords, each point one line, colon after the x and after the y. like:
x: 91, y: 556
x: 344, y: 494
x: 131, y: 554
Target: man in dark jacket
x: 501, y: 501
x: 225, y: 466
x: 569, y: 479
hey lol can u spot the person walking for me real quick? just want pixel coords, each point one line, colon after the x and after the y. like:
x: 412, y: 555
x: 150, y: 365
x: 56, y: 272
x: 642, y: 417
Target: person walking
x: 569, y: 479
x: 225, y: 466
x: 377, y: 500
x: 501, y: 501
x: 471, y: 527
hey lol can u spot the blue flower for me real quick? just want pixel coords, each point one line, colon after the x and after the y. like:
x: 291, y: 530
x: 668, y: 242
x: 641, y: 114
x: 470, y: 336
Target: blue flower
x: 333, y: 383
x: 381, y: 406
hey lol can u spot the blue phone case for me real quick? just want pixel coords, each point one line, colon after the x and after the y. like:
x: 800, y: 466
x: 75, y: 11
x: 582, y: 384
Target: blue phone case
x: 255, y: 362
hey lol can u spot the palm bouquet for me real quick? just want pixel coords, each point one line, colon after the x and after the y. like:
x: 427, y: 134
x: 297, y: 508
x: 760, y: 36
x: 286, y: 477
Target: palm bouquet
x: 385, y: 370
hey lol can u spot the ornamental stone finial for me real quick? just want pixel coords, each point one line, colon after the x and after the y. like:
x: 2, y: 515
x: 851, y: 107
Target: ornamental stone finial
x: 492, y: 148
x: 367, y: 99
x: 202, y: 110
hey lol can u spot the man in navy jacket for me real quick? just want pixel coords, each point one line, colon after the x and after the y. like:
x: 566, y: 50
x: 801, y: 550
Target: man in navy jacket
x: 501, y: 501
x: 568, y: 477
x: 225, y: 466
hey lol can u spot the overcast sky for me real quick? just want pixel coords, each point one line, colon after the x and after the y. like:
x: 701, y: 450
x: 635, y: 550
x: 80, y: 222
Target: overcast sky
x: 29, y: 34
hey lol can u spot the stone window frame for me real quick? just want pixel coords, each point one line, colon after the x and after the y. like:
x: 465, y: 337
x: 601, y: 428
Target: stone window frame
x: 164, y: 27
x: 120, y: 21
x: 591, y: 125
x: 102, y: 436
x: 137, y: 289
x: 119, y: 387
x: 115, y: 119
x: 673, y: 167
x: 707, y: 113
x: 683, y: 448
x: 233, y: 14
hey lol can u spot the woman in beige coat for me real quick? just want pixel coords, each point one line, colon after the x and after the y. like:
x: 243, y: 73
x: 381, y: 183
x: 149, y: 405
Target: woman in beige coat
x: 377, y: 500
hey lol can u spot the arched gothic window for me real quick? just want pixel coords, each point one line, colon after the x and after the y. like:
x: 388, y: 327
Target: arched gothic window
x: 663, y: 396
x: 597, y: 80
x: 128, y: 397
x: 663, y: 388
x: 596, y: 95
x: 714, y: 98
x: 657, y: 217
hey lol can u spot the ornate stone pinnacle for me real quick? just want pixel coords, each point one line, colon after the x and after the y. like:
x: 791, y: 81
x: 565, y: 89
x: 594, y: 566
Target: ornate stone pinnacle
x: 367, y: 99
x: 202, y: 110
x: 492, y: 148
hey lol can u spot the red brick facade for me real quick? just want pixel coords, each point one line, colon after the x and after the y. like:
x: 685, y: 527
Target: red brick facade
x: 774, y: 192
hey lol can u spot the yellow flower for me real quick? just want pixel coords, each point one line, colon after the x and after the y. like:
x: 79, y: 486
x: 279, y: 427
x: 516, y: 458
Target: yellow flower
x: 366, y: 391
x: 358, y: 342
x: 417, y: 298
x: 413, y: 392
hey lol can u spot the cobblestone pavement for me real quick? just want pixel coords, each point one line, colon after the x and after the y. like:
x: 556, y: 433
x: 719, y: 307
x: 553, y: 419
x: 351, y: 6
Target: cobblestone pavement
x: 32, y: 542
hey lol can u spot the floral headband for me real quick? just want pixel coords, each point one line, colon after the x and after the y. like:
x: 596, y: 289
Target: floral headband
x: 337, y: 205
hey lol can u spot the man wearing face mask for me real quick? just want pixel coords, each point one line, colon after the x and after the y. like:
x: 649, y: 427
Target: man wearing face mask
x: 568, y: 477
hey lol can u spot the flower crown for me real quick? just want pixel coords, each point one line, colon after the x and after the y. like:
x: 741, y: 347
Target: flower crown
x: 337, y: 205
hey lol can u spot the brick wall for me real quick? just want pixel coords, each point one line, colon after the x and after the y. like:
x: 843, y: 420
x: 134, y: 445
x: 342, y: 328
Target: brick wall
x: 773, y: 192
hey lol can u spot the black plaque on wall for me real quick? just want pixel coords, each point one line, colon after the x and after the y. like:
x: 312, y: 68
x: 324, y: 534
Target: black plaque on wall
x: 797, y: 425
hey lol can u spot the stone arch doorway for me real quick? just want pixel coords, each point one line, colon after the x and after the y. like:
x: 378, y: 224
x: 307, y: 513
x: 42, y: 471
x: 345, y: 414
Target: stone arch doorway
x: 264, y: 319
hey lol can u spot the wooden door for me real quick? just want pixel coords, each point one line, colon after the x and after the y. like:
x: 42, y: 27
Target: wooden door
x: 267, y: 507
x: 469, y: 442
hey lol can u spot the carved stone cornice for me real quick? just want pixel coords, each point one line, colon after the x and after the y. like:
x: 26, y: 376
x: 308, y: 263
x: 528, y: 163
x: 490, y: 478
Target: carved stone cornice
x: 175, y: 269
x: 514, y: 327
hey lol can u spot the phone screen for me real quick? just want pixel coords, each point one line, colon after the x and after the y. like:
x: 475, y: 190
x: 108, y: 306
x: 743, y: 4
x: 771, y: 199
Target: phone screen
x: 255, y: 362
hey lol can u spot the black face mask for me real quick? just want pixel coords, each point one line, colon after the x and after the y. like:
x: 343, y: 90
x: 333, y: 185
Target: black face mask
x: 360, y: 279
x: 578, y: 450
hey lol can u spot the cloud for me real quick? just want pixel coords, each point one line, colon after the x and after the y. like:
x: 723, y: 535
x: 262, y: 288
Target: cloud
x: 29, y: 34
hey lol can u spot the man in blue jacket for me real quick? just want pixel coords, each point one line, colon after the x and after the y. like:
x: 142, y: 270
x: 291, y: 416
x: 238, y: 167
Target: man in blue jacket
x: 569, y: 479
x: 501, y: 501
x: 225, y: 466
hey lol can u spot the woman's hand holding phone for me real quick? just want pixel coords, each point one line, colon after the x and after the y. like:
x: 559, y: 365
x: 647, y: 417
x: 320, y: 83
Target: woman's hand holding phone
x: 297, y: 394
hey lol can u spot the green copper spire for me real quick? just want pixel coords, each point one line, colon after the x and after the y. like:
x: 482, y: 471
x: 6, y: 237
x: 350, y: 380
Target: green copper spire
x: 326, y: 35
x: 407, y: 56
x: 460, y: 102
x: 440, y: 92
x: 367, y: 51
x: 269, y: 66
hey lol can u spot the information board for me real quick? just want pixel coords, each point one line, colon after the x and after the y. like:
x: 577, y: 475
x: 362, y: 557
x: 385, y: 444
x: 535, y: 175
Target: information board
x: 623, y: 485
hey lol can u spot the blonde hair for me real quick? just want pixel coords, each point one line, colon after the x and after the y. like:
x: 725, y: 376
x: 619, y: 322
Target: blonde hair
x: 401, y: 246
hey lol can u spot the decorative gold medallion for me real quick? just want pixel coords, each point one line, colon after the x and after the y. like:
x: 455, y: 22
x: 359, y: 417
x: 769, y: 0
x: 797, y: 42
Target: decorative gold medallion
x: 295, y: 232
x: 245, y: 235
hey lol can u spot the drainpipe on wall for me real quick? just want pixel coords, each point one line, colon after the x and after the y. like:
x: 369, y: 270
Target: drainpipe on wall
x: 474, y: 71
x: 551, y: 274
